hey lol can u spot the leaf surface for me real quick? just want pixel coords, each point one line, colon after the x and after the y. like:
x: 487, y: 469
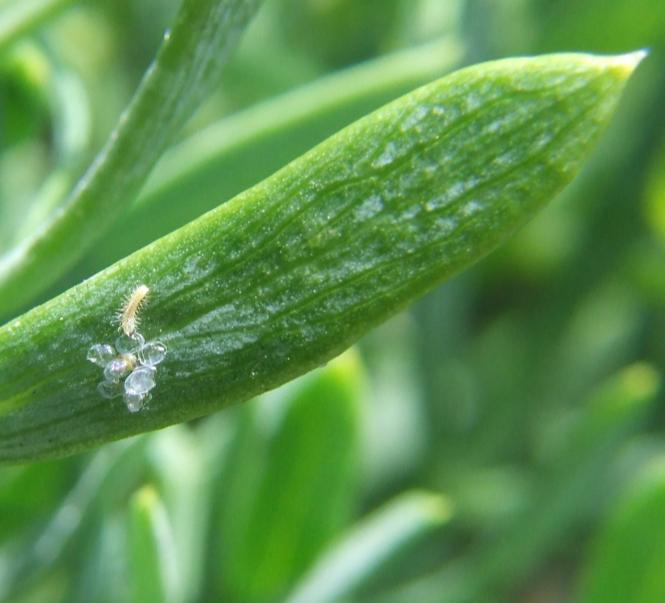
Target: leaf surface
x: 291, y: 272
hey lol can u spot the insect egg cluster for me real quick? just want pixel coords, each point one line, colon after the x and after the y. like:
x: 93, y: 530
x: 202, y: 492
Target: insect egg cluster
x: 131, y: 365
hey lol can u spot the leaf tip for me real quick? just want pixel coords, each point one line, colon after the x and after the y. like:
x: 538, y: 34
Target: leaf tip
x: 145, y: 499
x: 641, y: 380
x: 625, y: 64
x: 439, y: 508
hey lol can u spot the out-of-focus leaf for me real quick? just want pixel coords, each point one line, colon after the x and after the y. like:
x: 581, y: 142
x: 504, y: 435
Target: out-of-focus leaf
x: 655, y: 195
x: 151, y: 553
x: 101, y: 569
x: 646, y: 275
x: 23, y: 563
x: 626, y: 561
x: 293, y: 271
x: 186, y: 68
x: 533, y: 26
x: 71, y: 131
x: 395, y: 440
x: 29, y: 492
x: 18, y: 17
x: 303, y: 488
x: 24, y: 77
x: 181, y: 472
x: 358, y: 554
x: 599, y: 25
x: 24, y: 120
x: 502, y: 564
x: 340, y: 32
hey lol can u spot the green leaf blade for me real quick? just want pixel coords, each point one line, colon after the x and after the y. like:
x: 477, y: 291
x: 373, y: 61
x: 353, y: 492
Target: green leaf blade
x: 369, y: 544
x: 152, y: 565
x: 293, y: 271
x: 20, y: 17
x: 302, y: 489
x: 626, y: 562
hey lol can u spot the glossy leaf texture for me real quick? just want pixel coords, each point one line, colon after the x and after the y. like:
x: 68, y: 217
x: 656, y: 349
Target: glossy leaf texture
x: 293, y: 271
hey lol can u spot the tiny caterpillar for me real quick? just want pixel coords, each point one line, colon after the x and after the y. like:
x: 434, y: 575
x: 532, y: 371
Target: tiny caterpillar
x: 128, y: 315
x: 131, y: 365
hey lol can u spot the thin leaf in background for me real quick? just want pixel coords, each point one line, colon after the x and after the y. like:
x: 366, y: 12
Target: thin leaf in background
x: 513, y: 552
x: 71, y: 123
x: 626, y: 562
x: 182, y: 476
x: 281, y: 509
x: 18, y: 17
x: 152, y: 556
x: 377, y: 538
x: 186, y: 69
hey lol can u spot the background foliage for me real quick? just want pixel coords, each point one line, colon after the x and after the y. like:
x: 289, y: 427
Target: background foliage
x: 502, y: 440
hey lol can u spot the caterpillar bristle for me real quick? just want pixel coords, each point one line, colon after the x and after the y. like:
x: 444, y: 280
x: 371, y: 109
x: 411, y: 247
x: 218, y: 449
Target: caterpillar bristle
x: 128, y: 315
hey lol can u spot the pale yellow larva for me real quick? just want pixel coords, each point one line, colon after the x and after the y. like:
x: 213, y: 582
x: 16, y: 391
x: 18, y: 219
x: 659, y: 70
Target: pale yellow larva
x: 128, y: 317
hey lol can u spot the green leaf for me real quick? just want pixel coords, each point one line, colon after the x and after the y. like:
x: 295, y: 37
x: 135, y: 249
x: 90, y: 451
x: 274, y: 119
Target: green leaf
x: 99, y: 573
x: 182, y: 475
x: 71, y: 125
x: 185, y: 70
x: 287, y: 502
x: 239, y: 151
x: 600, y: 26
x: 627, y: 558
x: 18, y: 17
x: 152, y: 557
x: 107, y: 474
x: 290, y: 273
x: 607, y: 416
x: 611, y: 412
x: 379, y: 537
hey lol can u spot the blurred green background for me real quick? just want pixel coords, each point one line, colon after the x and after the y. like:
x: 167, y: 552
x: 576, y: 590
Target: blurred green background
x: 503, y: 440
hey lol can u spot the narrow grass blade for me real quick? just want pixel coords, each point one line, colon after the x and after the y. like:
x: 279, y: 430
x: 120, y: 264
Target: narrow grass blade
x: 182, y: 475
x: 19, y: 17
x: 71, y: 121
x: 276, y: 521
x: 152, y: 564
x: 370, y: 544
x: 627, y: 559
